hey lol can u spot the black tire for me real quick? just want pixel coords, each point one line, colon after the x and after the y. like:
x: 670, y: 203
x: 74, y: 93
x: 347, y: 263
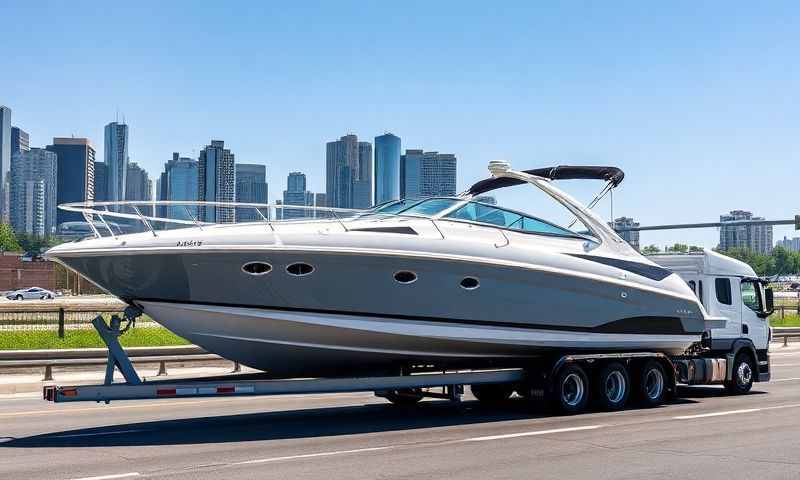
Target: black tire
x: 612, y: 386
x: 744, y: 371
x: 492, y: 393
x: 405, y: 397
x: 651, y: 384
x: 18, y: 297
x: 570, y: 394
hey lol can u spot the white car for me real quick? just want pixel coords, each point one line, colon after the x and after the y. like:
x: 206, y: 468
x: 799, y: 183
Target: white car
x: 30, y: 293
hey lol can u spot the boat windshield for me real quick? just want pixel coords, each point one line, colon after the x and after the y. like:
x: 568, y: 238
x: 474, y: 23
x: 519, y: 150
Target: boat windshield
x: 492, y: 215
x: 430, y: 207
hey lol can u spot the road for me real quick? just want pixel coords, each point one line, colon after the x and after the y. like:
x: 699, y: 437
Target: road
x: 704, y: 435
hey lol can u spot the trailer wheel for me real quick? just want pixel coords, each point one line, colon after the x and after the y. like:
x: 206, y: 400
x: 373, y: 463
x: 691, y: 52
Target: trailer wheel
x: 570, y: 393
x: 652, y: 384
x: 405, y: 397
x: 743, y: 372
x: 611, y: 386
x: 492, y: 393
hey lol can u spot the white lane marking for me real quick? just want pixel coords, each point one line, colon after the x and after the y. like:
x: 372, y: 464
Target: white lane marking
x: 717, y: 414
x: 313, y: 455
x: 109, y: 477
x: 115, y: 432
x: 785, y: 365
x: 790, y: 379
x: 531, y: 434
x: 734, y: 412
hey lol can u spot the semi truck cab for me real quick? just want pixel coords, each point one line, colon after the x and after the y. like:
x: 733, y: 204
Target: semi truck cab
x: 730, y: 289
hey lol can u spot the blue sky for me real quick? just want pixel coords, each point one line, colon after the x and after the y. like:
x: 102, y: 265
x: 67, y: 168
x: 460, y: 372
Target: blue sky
x: 696, y: 101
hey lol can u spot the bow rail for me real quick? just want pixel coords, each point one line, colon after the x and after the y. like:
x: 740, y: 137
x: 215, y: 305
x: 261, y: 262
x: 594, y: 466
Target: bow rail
x: 138, y: 216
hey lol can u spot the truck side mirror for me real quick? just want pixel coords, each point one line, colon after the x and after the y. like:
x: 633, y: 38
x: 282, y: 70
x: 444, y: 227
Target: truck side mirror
x: 769, y: 308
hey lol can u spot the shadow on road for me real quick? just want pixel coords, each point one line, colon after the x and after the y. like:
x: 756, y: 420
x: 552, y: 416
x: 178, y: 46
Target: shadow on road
x: 292, y: 424
x: 319, y: 422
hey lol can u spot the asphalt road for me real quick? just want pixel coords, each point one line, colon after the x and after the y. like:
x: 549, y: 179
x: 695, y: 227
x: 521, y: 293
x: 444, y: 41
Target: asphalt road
x: 704, y: 435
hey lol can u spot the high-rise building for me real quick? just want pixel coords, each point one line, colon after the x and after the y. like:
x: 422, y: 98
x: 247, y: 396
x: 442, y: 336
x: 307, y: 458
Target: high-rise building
x: 116, y: 158
x: 410, y: 173
x: 362, y: 187
x: 138, y: 186
x: 100, y: 181
x: 427, y: 174
x: 387, y: 168
x: 76, y: 175
x: 251, y: 187
x: 178, y: 182
x: 5, y: 160
x: 296, y: 194
x: 216, y: 182
x: 34, y: 177
x: 757, y: 238
x: 20, y: 140
x: 789, y: 244
x: 348, y: 173
x: 630, y: 236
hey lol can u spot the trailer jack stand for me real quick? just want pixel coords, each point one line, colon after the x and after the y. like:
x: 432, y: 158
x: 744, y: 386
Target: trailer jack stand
x: 116, y: 355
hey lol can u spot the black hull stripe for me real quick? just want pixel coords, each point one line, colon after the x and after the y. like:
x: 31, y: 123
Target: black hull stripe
x: 647, y: 325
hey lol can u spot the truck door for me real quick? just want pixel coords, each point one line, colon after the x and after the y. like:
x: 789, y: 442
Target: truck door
x: 754, y: 326
x: 726, y: 300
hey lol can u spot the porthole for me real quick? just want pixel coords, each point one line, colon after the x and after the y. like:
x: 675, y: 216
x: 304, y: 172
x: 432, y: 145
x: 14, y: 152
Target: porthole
x: 470, y: 283
x: 299, y: 269
x: 256, y: 268
x: 405, y: 277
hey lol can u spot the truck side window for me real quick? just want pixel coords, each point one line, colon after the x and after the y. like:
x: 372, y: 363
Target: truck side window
x: 700, y: 292
x: 723, y: 288
x: 750, y: 296
x: 692, y: 285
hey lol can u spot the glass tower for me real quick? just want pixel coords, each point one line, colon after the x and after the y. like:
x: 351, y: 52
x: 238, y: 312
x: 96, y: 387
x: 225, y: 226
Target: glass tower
x: 387, y: 168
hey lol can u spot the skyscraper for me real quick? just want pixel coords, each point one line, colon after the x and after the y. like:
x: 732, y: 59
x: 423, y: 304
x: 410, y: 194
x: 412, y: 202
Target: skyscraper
x: 215, y: 182
x: 34, y: 176
x: 100, y: 181
x: 116, y: 158
x: 138, y: 186
x: 20, y: 140
x: 5, y: 160
x: 76, y: 175
x: 427, y: 174
x: 251, y: 187
x: 410, y: 173
x: 387, y: 168
x: 296, y: 194
x: 757, y: 238
x: 179, y: 182
x: 348, y: 173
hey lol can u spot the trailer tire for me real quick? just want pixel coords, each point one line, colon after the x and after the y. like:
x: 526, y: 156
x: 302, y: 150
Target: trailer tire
x: 492, y: 393
x: 611, y: 386
x: 570, y: 392
x: 652, y: 384
x: 405, y: 397
x: 743, y: 375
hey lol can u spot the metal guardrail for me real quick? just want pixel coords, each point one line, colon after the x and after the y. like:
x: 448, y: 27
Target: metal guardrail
x: 18, y: 359
x: 786, y: 333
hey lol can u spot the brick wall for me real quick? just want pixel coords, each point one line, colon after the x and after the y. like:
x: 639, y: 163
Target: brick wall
x: 15, y: 274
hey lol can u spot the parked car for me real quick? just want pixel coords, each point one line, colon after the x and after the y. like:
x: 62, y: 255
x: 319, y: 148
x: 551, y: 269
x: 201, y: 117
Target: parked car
x: 30, y: 293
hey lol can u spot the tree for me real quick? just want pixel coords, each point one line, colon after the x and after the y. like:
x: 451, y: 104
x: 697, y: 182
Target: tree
x: 8, y: 241
x: 679, y: 248
x: 35, y: 243
x: 695, y: 249
x: 651, y: 250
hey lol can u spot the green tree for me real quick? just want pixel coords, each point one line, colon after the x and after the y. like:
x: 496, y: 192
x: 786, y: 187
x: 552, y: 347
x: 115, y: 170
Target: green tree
x: 651, y: 250
x: 8, y: 241
x: 695, y: 249
x: 35, y: 243
x: 678, y: 248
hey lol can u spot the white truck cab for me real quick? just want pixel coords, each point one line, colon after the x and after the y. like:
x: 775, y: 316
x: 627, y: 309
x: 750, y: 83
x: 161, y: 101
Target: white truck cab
x: 730, y: 289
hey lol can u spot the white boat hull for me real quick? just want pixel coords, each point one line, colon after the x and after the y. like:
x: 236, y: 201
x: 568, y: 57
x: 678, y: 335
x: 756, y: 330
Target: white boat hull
x: 289, y: 343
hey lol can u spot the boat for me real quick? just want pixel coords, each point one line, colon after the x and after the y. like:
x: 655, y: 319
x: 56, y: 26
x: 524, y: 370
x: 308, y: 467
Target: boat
x: 446, y: 282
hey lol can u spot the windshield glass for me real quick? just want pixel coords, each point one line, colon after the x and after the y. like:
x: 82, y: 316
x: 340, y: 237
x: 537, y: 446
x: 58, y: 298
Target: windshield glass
x: 483, y: 213
x: 430, y: 207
